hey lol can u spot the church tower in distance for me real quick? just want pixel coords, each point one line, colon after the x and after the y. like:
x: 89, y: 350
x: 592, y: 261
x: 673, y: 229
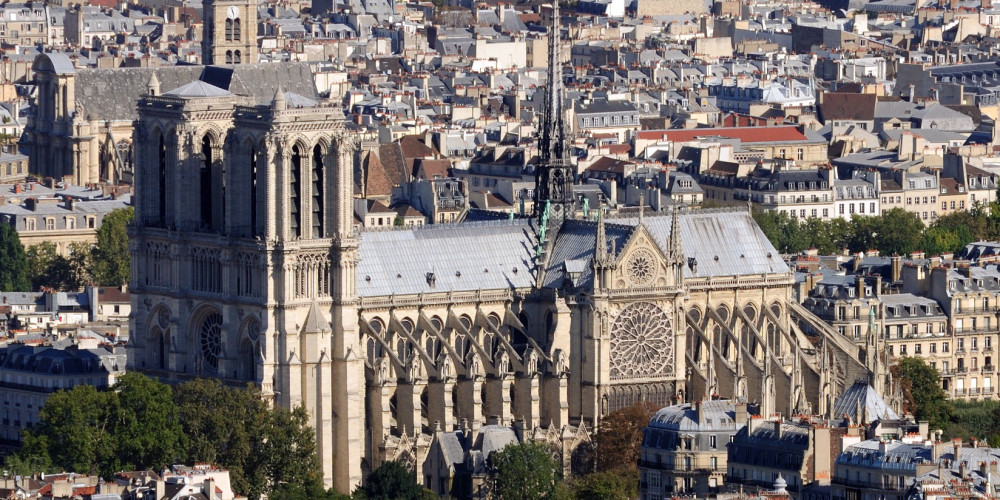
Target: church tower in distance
x: 229, y: 35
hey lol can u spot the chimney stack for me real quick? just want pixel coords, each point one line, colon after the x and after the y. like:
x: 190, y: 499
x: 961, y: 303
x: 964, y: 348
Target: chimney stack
x: 957, y: 449
x: 859, y: 284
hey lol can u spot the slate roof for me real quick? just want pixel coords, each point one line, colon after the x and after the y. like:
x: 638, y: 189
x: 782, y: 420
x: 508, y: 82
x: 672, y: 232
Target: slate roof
x: 717, y: 415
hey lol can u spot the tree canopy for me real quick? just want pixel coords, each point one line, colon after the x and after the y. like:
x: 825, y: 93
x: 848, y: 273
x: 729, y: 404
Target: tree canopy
x: 111, y: 255
x: 525, y: 471
x: 144, y: 424
x: 922, y: 392
x: 391, y: 481
x: 618, y: 442
x: 13, y: 261
x: 131, y: 427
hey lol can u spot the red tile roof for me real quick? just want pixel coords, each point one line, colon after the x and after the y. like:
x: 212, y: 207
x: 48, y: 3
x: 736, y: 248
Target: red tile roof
x: 744, y: 134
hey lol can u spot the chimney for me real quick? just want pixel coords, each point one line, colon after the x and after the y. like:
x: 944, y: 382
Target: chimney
x: 700, y: 415
x: 859, y: 284
x: 984, y: 468
x: 17, y: 189
x: 857, y: 261
x: 741, y: 414
x: 878, y: 285
x: 956, y: 446
x: 897, y: 267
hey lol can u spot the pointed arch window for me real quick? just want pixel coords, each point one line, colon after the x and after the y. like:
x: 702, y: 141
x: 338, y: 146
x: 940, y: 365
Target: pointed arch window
x: 318, y: 209
x: 237, y: 30
x: 237, y: 57
x: 207, y: 194
x: 229, y: 30
x: 162, y: 167
x: 296, y: 194
x: 229, y: 57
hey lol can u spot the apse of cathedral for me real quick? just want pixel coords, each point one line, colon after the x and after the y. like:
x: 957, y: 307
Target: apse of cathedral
x: 248, y: 267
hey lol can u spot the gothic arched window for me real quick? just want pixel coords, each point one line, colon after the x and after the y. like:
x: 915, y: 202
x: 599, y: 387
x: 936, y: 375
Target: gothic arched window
x: 207, y: 194
x: 296, y: 193
x: 162, y: 164
x: 229, y: 57
x: 229, y: 30
x: 318, y: 209
x: 237, y: 57
x: 236, y: 29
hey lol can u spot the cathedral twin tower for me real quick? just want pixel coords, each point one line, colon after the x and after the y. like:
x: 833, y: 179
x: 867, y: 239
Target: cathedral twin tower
x: 244, y: 229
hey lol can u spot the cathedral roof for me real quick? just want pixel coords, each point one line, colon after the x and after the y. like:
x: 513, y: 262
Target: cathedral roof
x: 112, y: 93
x: 496, y: 255
x: 723, y: 243
x: 862, y: 396
x: 198, y: 89
x: 297, y: 101
x: 575, y: 243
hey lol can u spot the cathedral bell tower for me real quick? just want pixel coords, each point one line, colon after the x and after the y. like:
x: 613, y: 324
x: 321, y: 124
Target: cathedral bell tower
x: 229, y: 35
x: 554, y: 173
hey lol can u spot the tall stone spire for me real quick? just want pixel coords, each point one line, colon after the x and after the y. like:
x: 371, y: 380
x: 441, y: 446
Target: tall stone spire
x: 554, y: 174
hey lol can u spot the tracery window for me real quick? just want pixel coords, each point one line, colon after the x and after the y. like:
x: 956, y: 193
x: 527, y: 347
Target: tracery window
x: 642, y: 344
x: 211, y: 339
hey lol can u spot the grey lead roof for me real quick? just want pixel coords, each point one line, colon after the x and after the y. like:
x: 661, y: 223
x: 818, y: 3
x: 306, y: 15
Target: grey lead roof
x: 499, y: 254
x: 724, y: 243
x: 197, y: 89
x: 861, y: 397
x: 490, y: 255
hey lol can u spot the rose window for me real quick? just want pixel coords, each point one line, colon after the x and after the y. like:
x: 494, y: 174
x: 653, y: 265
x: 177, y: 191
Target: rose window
x: 640, y: 267
x: 211, y: 339
x: 163, y: 318
x: 642, y: 343
x: 253, y: 329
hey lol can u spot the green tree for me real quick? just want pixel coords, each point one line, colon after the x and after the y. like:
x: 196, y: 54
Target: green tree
x: 618, y: 442
x: 74, y: 433
x: 922, y: 392
x: 47, y: 268
x: 937, y: 240
x: 390, y: 481
x: 147, y: 431
x: 111, y: 255
x: 13, y: 261
x: 612, y: 485
x: 525, y: 471
x: 81, y: 263
x: 262, y: 447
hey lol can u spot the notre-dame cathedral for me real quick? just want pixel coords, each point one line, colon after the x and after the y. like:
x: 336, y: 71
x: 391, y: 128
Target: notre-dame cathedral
x: 248, y: 267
